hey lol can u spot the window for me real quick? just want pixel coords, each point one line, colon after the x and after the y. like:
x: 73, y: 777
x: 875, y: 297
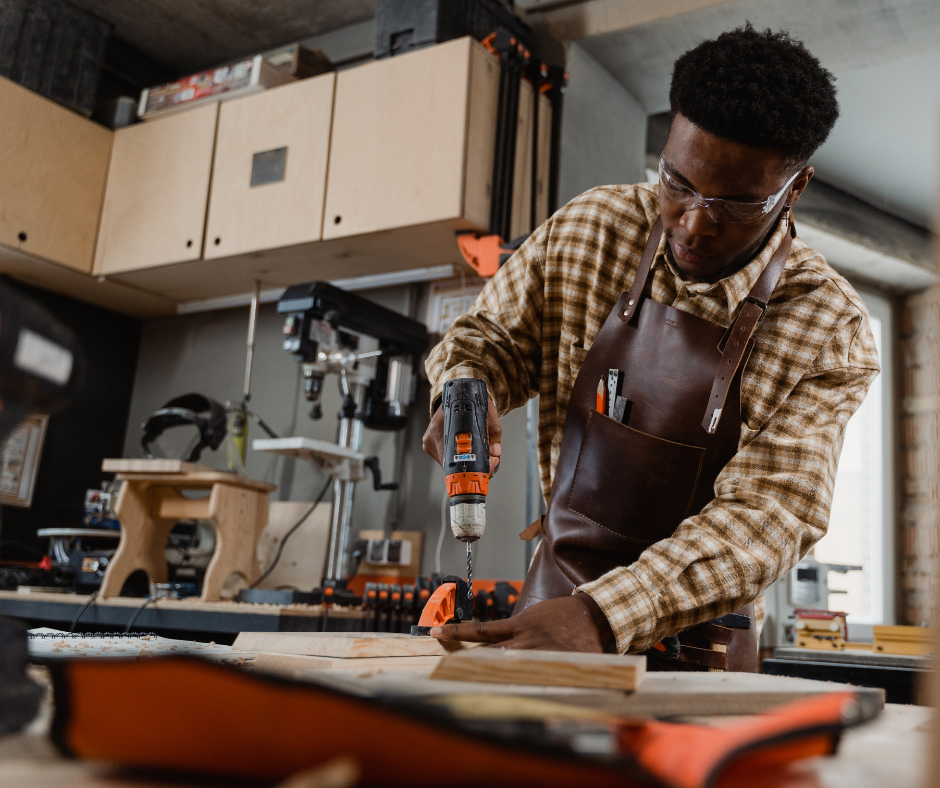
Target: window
x: 861, y: 528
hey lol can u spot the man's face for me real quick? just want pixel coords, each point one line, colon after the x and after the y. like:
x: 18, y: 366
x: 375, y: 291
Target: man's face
x: 716, y: 167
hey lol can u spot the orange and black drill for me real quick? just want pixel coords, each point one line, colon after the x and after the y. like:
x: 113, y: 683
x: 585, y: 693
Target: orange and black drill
x: 467, y: 476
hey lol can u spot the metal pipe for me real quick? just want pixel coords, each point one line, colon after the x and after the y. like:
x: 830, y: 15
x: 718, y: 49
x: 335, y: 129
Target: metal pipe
x: 252, y: 330
x: 350, y: 437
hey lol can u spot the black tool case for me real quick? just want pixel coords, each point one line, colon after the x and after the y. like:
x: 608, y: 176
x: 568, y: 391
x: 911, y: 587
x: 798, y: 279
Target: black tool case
x: 53, y: 48
x: 403, y: 25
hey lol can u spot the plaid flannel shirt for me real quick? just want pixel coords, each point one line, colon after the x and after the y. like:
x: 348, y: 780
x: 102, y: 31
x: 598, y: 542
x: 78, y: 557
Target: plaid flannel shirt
x: 813, y: 360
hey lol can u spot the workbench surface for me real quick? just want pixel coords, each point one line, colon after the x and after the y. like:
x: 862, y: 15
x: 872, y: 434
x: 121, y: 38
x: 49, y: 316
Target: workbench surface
x: 890, y: 751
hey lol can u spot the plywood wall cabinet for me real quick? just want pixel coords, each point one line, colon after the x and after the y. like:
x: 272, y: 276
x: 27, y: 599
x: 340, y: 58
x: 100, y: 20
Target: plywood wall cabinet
x: 269, y: 172
x: 53, y: 165
x: 157, y: 193
x: 413, y: 140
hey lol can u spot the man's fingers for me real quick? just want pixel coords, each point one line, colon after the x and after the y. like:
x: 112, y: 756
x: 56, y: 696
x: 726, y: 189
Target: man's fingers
x: 492, y: 424
x: 476, y: 631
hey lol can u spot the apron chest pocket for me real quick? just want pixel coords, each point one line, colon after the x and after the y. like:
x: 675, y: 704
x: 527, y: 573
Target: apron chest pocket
x: 634, y: 484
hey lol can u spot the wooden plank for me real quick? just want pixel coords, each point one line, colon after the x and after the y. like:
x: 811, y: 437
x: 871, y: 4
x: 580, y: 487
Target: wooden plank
x: 202, y: 480
x: 74, y: 601
x: 398, y: 143
x: 289, y: 664
x: 662, y: 694
x: 545, y: 668
x: 54, y: 164
x: 346, y: 645
x: 158, y: 189
x: 245, y: 218
x: 118, y: 465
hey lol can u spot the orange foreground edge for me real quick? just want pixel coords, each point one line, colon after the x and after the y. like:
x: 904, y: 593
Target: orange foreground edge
x: 247, y: 725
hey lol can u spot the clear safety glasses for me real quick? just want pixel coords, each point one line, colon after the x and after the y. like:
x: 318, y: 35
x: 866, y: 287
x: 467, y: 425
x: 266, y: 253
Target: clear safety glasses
x: 722, y: 211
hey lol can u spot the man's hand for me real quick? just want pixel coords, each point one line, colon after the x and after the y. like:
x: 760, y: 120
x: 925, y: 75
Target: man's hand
x: 569, y: 623
x: 433, y: 441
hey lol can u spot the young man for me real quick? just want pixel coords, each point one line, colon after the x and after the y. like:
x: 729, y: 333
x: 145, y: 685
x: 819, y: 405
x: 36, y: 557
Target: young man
x: 742, y: 356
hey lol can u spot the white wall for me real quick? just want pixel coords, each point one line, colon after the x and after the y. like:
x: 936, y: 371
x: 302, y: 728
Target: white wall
x: 603, y: 138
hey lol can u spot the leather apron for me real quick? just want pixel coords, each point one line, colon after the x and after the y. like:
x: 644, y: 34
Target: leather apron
x: 621, y: 487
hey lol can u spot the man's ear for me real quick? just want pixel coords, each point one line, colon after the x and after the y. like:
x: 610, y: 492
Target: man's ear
x: 801, y: 182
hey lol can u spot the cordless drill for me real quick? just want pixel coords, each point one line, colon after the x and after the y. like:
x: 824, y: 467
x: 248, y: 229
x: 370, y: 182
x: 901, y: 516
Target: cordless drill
x: 466, y: 460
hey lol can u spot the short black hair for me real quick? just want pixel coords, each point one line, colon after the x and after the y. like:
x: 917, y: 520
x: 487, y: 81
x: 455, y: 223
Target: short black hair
x: 761, y: 89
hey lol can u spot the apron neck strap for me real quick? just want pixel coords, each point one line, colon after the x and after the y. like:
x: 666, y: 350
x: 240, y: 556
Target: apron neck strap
x: 739, y: 336
x: 767, y: 283
x: 642, y: 272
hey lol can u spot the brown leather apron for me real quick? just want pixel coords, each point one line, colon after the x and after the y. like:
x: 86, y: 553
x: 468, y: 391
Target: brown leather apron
x: 619, y: 488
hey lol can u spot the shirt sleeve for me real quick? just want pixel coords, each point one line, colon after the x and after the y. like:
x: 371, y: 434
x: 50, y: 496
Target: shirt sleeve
x: 499, y: 340
x: 772, y: 505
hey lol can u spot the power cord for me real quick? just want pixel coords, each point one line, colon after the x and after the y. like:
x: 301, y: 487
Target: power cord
x: 290, y: 531
x: 82, y: 609
x: 137, y: 612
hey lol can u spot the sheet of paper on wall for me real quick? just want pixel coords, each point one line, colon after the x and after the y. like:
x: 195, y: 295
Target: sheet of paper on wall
x: 20, y: 461
x: 449, y: 300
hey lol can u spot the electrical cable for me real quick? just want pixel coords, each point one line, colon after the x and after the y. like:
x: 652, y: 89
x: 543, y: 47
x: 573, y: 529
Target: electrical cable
x: 137, y: 612
x: 440, y: 539
x: 82, y: 609
x: 294, y: 527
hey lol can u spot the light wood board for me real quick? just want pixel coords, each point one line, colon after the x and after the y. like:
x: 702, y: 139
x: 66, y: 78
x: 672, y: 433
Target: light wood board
x: 289, y: 664
x: 119, y: 465
x: 54, y: 164
x: 662, y: 694
x: 302, y: 561
x: 346, y: 645
x: 399, y: 140
x: 158, y: 189
x: 243, y: 218
x: 545, y: 668
x: 74, y: 601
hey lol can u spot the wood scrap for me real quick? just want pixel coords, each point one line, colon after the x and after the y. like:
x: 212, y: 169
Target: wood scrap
x: 346, y: 645
x: 543, y: 668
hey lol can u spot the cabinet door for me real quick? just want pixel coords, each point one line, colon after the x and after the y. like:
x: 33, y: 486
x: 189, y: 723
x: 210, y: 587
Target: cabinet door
x: 402, y: 128
x: 53, y: 165
x: 269, y: 175
x: 158, y: 189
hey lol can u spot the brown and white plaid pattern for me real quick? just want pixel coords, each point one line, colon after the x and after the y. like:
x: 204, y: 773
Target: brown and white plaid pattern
x: 814, y: 358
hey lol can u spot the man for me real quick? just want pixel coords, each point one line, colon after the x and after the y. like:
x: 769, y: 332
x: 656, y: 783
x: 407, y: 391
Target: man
x: 719, y: 477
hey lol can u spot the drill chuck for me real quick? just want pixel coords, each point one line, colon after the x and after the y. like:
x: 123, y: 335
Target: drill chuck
x: 467, y: 518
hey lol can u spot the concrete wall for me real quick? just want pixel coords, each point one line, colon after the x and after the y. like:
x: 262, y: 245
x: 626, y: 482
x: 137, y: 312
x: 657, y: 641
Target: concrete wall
x: 205, y: 353
x: 603, y: 137
x: 920, y: 440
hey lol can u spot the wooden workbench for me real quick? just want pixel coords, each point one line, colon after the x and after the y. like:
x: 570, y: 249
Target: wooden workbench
x: 891, y: 750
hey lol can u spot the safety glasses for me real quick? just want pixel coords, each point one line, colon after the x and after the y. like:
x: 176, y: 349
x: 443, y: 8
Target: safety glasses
x: 722, y: 211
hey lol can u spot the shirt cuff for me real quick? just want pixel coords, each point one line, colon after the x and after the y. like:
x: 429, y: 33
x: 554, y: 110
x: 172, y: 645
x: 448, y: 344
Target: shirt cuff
x: 460, y: 371
x: 629, y: 608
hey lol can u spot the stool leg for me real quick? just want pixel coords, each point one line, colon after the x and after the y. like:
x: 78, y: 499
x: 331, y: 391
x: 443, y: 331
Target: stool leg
x: 239, y: 516
x: 143, y: 539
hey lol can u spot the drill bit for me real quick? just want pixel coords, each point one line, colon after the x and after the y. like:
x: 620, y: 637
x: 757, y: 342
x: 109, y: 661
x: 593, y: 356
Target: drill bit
x: 470, y: 570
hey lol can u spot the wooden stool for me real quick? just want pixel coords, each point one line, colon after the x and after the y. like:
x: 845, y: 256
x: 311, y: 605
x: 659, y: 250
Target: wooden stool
x: 150, y: 503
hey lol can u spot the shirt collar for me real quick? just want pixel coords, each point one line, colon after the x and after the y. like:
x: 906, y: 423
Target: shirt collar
x: 735, y: 287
